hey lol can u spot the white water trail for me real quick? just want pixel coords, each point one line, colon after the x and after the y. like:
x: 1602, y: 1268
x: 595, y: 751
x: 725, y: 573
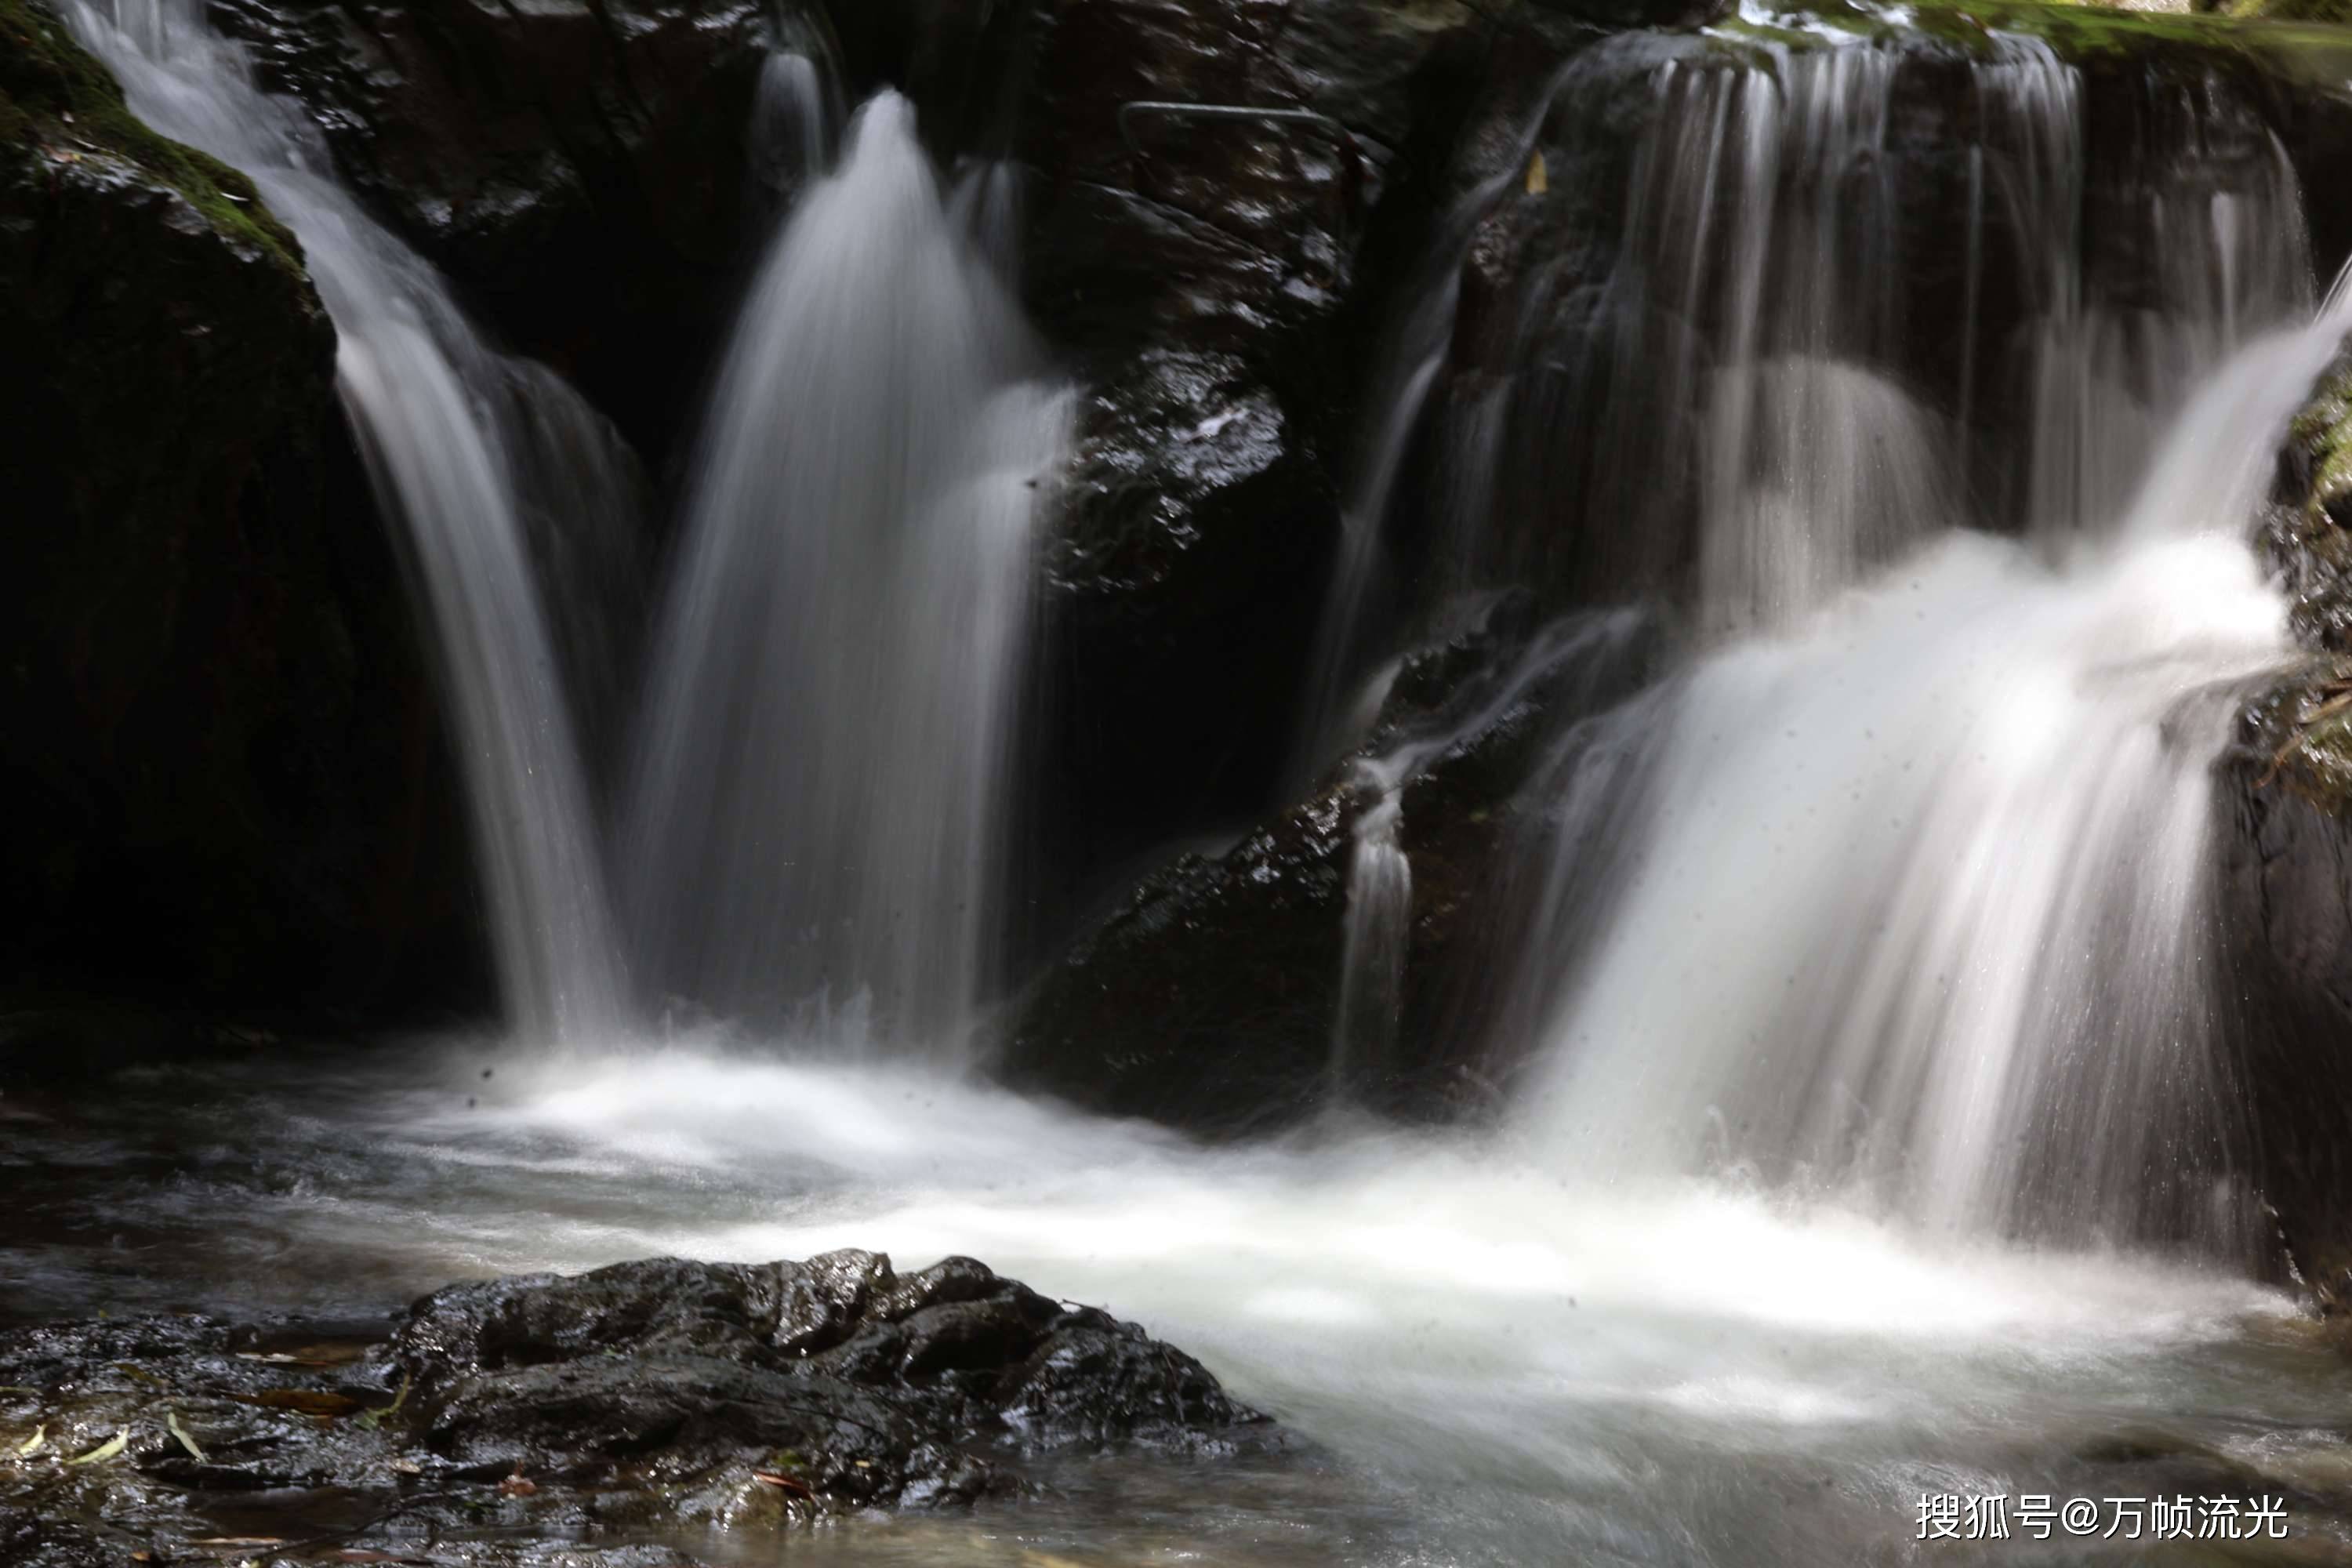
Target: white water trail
x: 1479, y: 1361
x: 1920, y: 905
x: 452, y: 431
x: 818, y: 812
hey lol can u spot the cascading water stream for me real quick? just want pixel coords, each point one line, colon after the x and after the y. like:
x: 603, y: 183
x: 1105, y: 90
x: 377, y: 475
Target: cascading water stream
x: 454, y: 434
x: 1920, y: 905
x: 1571, y: 662
x: 1408, y: 364
x: 816, y: 816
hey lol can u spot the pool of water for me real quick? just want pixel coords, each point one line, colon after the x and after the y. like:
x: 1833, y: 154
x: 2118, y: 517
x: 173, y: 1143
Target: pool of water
x: 1477, y: 1358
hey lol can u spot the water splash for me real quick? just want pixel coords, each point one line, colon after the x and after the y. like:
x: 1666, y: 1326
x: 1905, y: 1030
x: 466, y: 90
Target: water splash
x: 818, y: 811
x: 1921, y: 901
x: 461, y: 442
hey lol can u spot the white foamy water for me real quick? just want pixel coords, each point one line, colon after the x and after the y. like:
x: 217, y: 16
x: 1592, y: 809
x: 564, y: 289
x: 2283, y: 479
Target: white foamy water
x: 1477, y: 1359
x: 1920, y: 901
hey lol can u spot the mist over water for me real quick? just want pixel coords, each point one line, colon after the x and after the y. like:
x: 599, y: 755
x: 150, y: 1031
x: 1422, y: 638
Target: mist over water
x: 1481, y: 1359
x: 1873, y: 1135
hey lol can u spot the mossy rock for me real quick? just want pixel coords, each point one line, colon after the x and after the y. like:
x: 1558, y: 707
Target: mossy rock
x: 60, y: 102
x: 2298, y: 41
x: 218, y: 788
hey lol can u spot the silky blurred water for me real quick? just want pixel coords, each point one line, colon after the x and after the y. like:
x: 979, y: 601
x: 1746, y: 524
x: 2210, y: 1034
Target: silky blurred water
x: 1474, y: 1359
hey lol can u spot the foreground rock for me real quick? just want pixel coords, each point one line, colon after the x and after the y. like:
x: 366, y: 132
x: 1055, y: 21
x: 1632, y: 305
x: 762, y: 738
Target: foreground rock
x: 223, y: 781
x: 643, y: 1397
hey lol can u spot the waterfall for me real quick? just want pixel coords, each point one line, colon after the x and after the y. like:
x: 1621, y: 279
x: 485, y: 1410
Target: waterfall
x: 818, y: 811
x: 454, y: 436
x: 1919, y: 901
x: 1908, y: 891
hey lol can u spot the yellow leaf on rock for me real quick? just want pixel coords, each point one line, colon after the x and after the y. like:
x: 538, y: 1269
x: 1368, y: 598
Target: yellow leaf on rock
x: 1538, y: 176
x: 104, y: 1451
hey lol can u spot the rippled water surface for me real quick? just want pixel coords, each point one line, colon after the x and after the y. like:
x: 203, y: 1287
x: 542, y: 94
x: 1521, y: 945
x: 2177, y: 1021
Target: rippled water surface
x: 1476, y: 1359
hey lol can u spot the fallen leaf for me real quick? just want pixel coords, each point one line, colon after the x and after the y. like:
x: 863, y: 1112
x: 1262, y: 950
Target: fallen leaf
x: 316, y: 1402
x: 104, y: 1451
x: 171, y: 1420
x: 1538, y: 175
x: 408, y: 1467
x: 32, y: 1443
x: 519, y: 1485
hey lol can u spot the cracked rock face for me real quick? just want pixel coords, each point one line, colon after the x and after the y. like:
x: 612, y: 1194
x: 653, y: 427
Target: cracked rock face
x: 645, y: 1395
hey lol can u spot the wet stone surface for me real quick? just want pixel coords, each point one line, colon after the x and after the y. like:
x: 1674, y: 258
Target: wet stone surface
x: 586, y: 1416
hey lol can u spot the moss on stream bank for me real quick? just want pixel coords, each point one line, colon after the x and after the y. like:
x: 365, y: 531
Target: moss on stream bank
x: 58, y: 102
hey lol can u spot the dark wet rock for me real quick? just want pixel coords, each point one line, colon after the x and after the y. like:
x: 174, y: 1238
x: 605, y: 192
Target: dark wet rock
x: 1210, y: 998
x: 29, y: 1539
x: 581, y: 170
x: 1589, y: 495
x: 2285, y: 834
x: 1213, y: 284
x: 224, y: 783
x: 647, y: 1393
x: 880, y: 1389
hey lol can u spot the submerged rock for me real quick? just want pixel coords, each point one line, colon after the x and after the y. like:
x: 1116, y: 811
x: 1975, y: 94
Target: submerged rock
x: 644, y: 1396
x: 224, y: 783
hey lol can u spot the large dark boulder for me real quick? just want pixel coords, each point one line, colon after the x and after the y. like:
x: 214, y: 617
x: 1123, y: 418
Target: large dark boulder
x: 581, y: 170
x: 590, y: 1409
x: 223, y: 781
x: 1212, y: 997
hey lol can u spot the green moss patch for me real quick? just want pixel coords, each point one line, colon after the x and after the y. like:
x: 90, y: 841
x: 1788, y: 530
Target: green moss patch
x: 57, y: 101
x: 2302, y: 41
x: 2323, y: 431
